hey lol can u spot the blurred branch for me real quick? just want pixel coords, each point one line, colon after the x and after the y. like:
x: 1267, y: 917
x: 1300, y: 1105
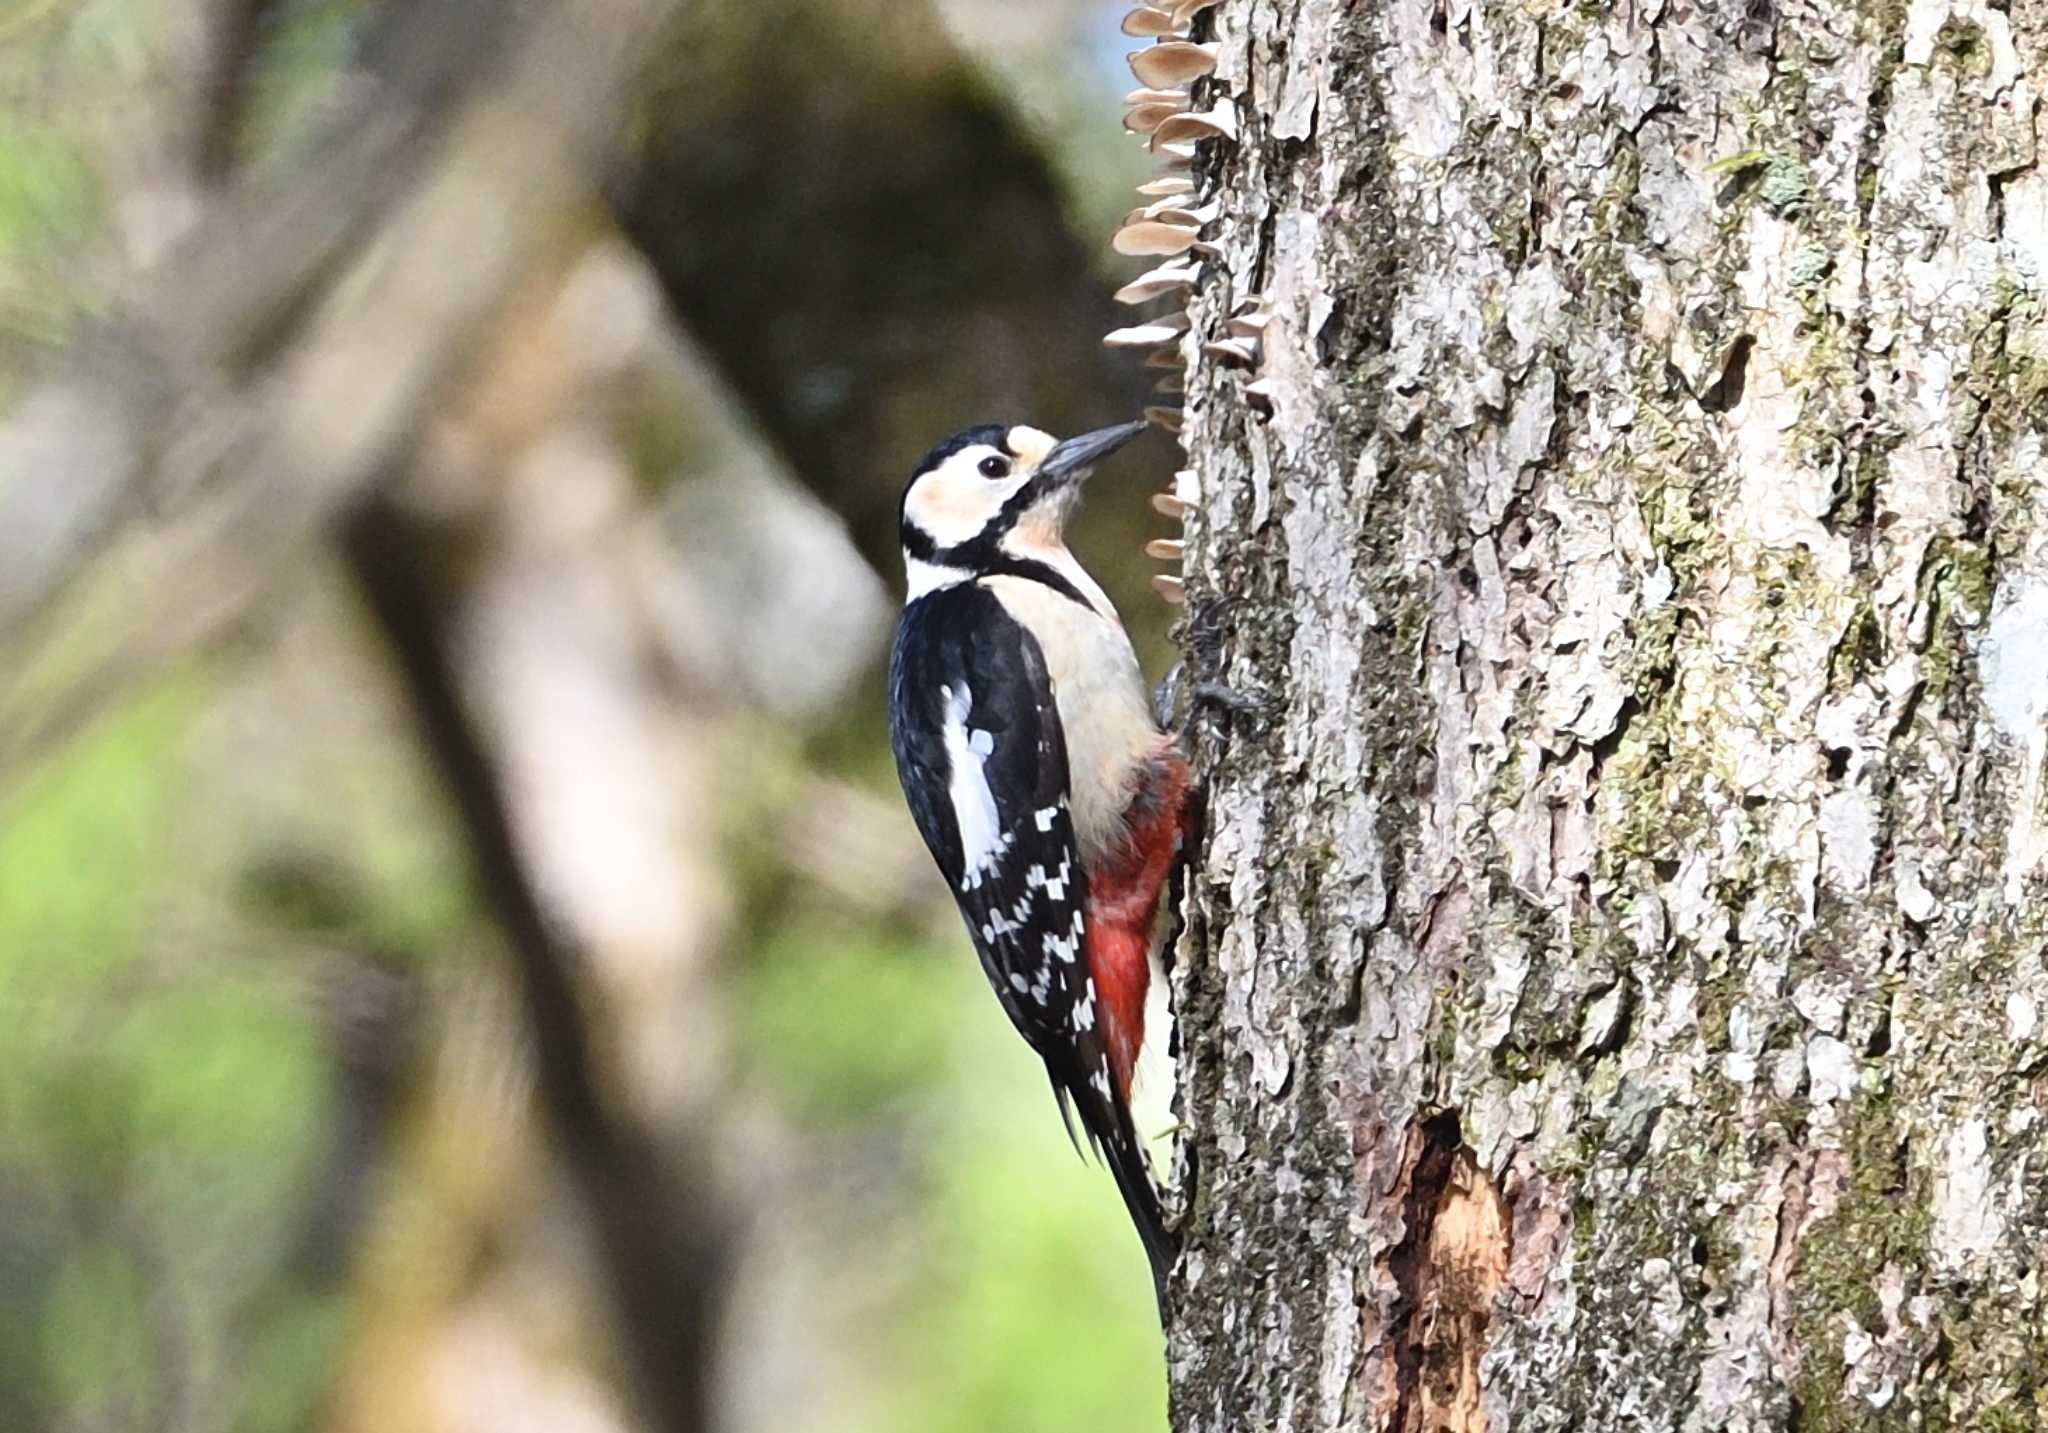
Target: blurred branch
x: 24, y: 19
x: 855, y: 844
x: 193, y: 622
x: 650, y: 1205
x: 354, y: 287
x: 77, y: 451
x: 909, y: 270
x: 235, y: 29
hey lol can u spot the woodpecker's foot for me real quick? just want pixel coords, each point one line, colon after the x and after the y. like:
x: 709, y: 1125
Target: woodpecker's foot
x: 1179, y: 694
x: 1223, y: 704
x: 1218, y: 696
x: 1204, y: 632
x: 1178, y: 701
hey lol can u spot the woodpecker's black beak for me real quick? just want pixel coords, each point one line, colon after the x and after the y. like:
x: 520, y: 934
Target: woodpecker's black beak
x: 1069, y: 462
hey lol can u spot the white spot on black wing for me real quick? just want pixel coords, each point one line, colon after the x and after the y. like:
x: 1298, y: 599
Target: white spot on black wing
x: 975, y: 816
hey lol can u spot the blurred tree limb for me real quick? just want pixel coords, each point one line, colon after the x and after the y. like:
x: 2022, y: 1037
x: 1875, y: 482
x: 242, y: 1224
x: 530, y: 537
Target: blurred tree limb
x: 81, y: 451
x: 651, y: 1205
x: 237, y: 30
x: 268, y: 371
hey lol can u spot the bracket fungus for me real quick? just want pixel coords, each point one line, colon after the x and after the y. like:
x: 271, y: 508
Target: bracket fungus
x: 1151, y: 236
x: 1147, y: 335
x: 1162, y: 112
x: 1181, y: 126
x: 1147, y: 118
x: 1147, y: 23
x: 1151, y: 284
x: 1234, y: 352
x: 1172, y: 63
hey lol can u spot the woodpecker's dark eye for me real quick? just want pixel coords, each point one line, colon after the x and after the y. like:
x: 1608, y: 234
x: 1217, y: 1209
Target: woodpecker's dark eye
x: 994, y: 468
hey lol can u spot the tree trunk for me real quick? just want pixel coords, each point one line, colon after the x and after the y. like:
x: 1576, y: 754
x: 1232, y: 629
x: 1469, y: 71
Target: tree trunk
x: 1613, y: 989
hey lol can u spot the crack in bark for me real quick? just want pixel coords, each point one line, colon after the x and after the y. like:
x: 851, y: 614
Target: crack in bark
x: 1451, y: 1262
x: 1863, y: 484
x: 1726, y: 393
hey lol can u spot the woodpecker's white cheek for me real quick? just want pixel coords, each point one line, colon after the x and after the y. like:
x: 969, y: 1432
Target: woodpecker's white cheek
x: 955, y: 501
x: 982, y: 839
x: 944, y: 510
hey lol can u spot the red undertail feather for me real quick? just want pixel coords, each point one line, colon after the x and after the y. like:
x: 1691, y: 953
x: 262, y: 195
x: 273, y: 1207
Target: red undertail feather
x: 1123, y: 905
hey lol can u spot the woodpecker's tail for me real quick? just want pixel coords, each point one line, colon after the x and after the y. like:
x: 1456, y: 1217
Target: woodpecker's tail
x: 1126, y: 1159
x: 1114, y: 1139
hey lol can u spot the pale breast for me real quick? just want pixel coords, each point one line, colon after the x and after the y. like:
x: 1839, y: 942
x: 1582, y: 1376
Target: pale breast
x: 1102, y: 703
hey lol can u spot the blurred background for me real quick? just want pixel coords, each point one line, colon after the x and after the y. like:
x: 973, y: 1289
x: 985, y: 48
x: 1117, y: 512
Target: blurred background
x: 571, y: 357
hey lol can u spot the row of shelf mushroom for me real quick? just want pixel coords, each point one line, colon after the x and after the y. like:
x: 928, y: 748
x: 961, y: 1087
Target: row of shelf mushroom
x: 1169, y: 227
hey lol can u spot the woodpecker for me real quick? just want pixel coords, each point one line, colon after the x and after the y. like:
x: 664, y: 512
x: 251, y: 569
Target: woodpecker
x: 1050, y: 798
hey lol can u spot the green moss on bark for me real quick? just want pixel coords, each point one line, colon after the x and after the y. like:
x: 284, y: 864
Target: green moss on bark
x: 1883, y: 1219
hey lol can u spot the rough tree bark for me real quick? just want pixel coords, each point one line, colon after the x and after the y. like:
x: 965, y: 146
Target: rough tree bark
x: 1613, y: 993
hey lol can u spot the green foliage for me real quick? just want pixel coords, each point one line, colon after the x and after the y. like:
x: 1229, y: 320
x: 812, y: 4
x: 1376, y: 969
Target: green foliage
x: 290, y: 1353
x: 1046, y: 1321
x: 164, y: 1101
x: 47, y: 199
x: 841, y: 1022
x: 95, y: 1335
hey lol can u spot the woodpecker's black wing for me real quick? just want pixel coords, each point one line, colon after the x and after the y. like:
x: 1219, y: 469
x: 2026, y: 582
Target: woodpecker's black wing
x: 983, y: 762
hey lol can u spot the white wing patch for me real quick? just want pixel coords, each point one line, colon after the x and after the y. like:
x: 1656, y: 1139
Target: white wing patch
x: 982, y: 839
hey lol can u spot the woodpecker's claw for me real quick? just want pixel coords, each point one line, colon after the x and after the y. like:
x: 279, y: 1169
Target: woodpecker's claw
x: 1166, y: 697
x: 1228, y: 698
x: 1177, y: 701
x: 1178, y: 697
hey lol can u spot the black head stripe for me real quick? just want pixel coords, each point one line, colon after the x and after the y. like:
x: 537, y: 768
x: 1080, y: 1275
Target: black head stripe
x: 992, y: 435
x: 1031, y: 570
x: 987, y: 560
